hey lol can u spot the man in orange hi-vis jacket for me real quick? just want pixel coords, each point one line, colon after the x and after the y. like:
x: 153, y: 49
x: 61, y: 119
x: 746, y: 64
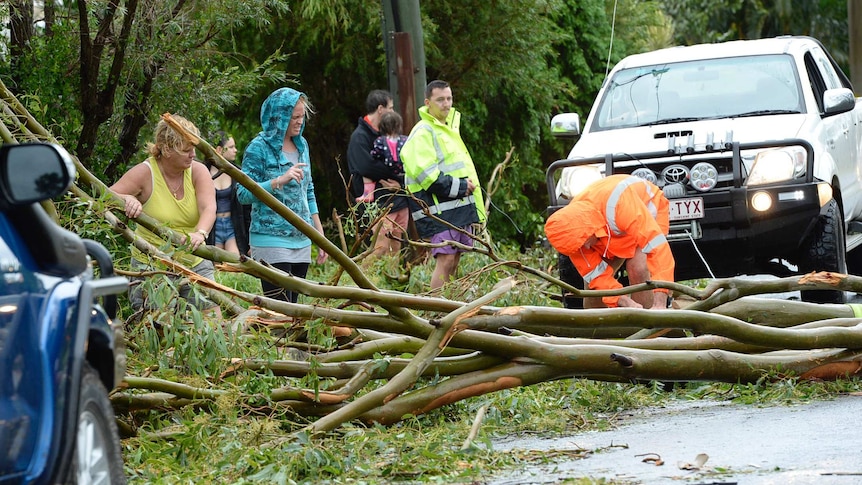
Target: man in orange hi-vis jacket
x: 616, y: 219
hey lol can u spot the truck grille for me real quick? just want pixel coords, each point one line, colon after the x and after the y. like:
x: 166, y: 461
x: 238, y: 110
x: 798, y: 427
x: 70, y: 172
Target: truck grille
x: 676, y: 174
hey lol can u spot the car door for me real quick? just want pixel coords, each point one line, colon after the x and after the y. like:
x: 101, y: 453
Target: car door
x: 839, y: 130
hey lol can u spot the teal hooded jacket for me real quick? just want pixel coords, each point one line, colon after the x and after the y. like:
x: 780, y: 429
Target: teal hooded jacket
x: 263, y: 161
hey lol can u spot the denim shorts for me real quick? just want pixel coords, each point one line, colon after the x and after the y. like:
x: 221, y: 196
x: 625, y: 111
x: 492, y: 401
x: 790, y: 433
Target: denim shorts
x: 224, y: 230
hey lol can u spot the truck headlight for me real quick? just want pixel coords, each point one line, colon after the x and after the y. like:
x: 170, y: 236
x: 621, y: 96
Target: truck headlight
x: 704, y: 177
x: 777, y: 165
x: 761, y: 201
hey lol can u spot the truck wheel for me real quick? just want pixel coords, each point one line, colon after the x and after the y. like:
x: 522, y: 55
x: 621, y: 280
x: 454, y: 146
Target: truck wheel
x: 570, y: 275
x: 825, y: 250
x: 97, y: 457
x: 854, y: 261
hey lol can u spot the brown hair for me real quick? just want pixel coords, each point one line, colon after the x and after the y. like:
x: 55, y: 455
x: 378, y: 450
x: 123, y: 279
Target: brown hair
x: 436, y: 84
x: 391, y: 123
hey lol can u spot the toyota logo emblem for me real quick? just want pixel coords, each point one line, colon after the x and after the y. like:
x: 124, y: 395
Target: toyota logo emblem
x: 675, y: 174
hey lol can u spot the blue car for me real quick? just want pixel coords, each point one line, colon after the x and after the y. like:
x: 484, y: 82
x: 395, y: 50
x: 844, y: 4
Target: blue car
x: 60, y: 348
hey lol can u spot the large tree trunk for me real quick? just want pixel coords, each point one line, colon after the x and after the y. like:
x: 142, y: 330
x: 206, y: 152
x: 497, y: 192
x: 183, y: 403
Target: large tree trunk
x: 20, y: 33
x: 97, y: 101
x: 137, y: 109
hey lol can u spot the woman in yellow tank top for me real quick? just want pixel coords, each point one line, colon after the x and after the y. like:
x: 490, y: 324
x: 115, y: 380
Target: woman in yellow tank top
x: 174, y: 188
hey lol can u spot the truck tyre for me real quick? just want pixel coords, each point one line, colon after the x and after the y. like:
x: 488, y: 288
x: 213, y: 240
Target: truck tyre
x: 825, y: 250
x: 570, y: 275
x: 854, y: 262
x: 97, y: 457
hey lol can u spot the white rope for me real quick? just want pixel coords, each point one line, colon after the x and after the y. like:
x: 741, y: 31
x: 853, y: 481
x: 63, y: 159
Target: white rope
x: 700, y: 254
x: 611, y: 45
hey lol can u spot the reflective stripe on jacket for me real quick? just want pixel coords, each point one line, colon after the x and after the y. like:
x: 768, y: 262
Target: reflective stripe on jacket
x: 624, y: 213
x: 436, y: 168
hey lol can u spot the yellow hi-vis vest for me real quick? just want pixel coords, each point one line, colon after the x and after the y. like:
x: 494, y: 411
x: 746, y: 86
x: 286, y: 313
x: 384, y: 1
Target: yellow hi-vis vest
x: 436, y: 166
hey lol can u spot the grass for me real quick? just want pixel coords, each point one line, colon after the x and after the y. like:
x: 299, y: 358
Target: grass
x: 257, y: 442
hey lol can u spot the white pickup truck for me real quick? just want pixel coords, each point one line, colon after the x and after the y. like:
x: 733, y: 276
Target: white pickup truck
x: 755, y: 143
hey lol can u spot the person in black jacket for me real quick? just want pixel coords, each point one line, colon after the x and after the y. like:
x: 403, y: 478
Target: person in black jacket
x: 386, y: 186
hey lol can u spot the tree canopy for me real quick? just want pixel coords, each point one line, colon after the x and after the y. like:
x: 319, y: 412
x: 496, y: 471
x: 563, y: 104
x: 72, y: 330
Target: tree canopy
x: 101, y: 72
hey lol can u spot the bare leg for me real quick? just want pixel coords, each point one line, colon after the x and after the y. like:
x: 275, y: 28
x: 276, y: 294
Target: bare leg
x: 389, y: 238
x: 444, y: 269
x: 231, y: 246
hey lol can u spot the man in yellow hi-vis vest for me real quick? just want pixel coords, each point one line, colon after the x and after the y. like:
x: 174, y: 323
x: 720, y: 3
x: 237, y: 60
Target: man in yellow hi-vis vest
x: 441, y: 178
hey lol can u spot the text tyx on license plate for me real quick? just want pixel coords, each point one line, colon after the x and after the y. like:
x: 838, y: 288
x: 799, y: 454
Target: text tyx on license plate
x: 689, y: 208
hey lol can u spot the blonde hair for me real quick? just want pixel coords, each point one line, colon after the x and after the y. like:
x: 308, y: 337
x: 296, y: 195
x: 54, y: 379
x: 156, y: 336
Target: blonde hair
x: 308, y: 107
x: 166, y: 138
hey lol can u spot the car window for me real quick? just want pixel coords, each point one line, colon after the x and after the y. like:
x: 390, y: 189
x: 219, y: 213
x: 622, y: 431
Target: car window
x: 711, y: 88
x: 12, y: 285
x: 825, y: 68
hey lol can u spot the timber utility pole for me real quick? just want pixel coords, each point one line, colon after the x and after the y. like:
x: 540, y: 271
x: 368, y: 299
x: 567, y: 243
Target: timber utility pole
x: 854, y: 28
x: 405, y: 57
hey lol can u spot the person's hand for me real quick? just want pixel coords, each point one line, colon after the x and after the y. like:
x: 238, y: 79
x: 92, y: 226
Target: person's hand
x: 133, y: 206
x: 196, y: 240
x: 627, y: 302
x: 294, y: 173
x: 470, y: 186
x: 321, y: 256
x: 389, y: 184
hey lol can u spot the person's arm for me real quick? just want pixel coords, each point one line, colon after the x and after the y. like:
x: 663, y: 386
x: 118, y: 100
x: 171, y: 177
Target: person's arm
x: 378, y: 150
x: 448, y: 187
x: 205, y: 193
x: 598, y: 275
x: 660, y: 260
x: 253, y: 165
x: 649, y: 235
x: 321, y: 254
x: 135, y: 188
x: 362, y: 164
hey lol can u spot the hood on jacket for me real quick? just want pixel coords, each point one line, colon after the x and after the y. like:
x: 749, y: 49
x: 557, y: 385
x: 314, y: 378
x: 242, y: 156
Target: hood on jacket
x: 275, y: 116
x: 570, y: 227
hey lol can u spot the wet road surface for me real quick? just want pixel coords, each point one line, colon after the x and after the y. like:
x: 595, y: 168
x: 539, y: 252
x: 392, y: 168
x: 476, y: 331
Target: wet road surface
x: 814, y: 443
x: 818, y: 443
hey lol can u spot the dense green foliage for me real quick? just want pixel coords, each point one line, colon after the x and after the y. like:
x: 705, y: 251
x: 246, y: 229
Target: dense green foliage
x: 697, y: 21
x: 512, y: 65
x: 103, y: 72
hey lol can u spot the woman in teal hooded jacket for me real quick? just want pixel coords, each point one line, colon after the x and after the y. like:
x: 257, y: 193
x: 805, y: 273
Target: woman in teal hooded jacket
x: 277, y: 159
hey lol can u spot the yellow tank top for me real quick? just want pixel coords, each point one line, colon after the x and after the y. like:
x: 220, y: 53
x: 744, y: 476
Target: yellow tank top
x: 180, y: 215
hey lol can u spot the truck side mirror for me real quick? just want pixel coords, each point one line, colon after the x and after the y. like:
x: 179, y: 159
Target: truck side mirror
x: 33, y: 172
x: 839, y: 100
x: 566, y: 125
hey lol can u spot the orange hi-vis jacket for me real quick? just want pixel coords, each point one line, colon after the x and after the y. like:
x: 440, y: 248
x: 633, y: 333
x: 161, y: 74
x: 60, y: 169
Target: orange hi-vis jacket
x: 625, y: 213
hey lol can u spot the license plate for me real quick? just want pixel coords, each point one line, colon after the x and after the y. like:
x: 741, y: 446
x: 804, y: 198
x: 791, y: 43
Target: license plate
x: 684, y: 209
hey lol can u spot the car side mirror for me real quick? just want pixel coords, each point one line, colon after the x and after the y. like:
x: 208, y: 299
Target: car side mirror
x: 566, y: 125
x: 33, y: 172
x: 839, y: 100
